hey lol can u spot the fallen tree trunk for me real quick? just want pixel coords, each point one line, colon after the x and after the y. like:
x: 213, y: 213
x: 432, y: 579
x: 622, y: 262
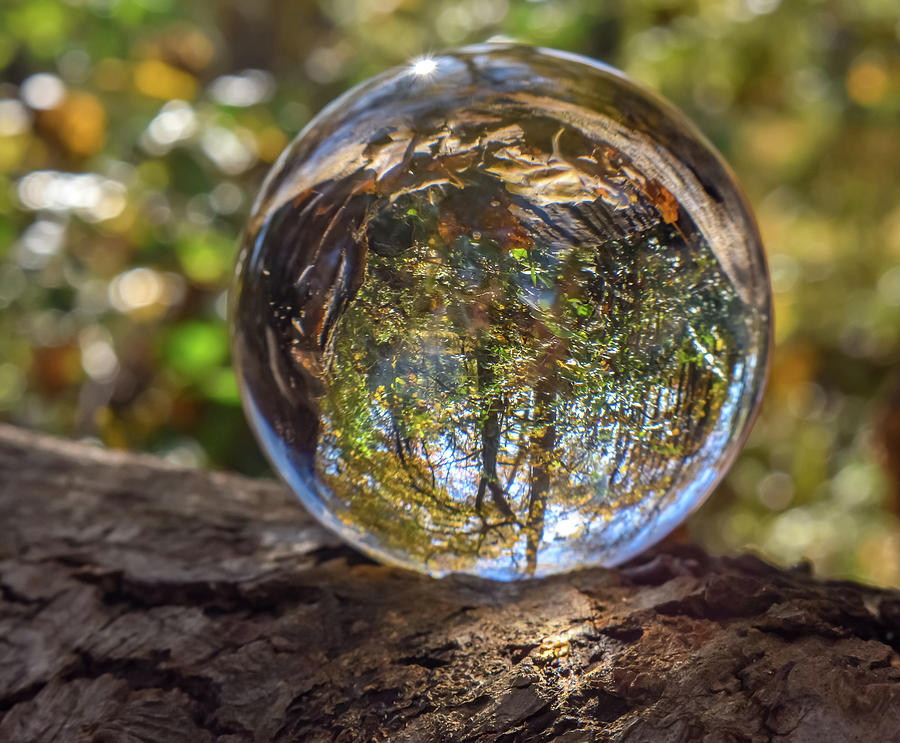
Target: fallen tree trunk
x: 143, y: 602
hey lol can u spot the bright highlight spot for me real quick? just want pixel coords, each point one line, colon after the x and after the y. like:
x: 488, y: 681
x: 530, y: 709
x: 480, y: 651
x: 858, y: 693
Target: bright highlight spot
x: 89, y: 195
x: 14, y: 118
x: 43, y: 91
x: 98, y: 359
x: 247, y: 88
x: 232, y: 152
x: 424, y: 67
x: 175, y: 121
x: 41, y: 241
x: 134, y: 289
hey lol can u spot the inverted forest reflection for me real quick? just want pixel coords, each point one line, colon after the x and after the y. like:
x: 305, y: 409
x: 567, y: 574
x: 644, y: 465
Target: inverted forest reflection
x: 508, y: 349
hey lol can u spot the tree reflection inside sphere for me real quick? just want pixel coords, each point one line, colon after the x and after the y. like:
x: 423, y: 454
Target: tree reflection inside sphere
x: 501, y: 312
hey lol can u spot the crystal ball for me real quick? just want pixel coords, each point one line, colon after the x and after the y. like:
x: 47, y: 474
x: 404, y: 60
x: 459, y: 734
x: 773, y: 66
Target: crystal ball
x: 501, y: 311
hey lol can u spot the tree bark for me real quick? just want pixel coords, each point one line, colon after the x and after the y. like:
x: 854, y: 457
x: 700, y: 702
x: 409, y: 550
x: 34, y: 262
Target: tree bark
x: 143, y: 602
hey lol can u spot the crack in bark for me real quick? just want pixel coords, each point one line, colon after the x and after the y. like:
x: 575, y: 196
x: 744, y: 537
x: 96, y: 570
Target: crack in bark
x: 214, y: 596
x: 25, y: 694
x: 149, y: 673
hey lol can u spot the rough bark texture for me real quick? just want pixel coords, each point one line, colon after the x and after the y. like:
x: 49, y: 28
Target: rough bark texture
x: 142, y: 602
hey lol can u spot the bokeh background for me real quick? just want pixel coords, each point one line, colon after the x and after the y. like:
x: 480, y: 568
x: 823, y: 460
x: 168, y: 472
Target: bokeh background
x: 134, y: 134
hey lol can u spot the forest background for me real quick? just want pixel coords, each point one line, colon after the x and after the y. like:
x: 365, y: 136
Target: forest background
x: 135, y: 133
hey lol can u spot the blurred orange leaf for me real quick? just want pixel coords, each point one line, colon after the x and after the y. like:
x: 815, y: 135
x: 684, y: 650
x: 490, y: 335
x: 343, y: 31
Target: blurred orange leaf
x: 79, y: 123
x: 156, y: 79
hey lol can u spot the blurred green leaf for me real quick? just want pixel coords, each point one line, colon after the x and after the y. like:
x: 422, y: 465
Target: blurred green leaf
x: 207, y: 257
x: 195, y: 349
x: 42, y: 24
x: 222, y: 387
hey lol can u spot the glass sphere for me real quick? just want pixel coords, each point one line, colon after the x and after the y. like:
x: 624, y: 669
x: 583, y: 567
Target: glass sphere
x: 501, y: 312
